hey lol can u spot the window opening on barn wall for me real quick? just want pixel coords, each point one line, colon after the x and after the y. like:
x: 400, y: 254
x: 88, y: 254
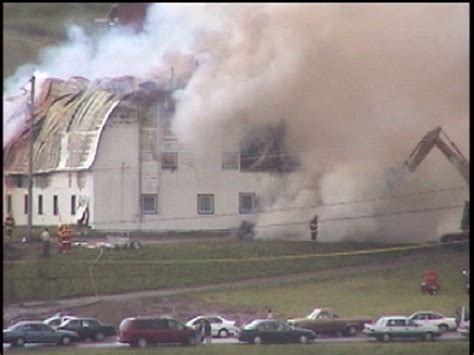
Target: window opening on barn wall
x: 40, y: 204
x: 73, y: 205
x: 26, y: 204
x: 205, y: 203
x: 246, y: 202
x: 169, y: 160
x: 9, y: 203
x: 230, y: 160
x: 55, y: 205
x: 149, y: 203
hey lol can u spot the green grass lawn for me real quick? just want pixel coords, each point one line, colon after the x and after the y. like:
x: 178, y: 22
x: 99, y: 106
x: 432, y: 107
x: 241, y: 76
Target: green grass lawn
x: 437, y: 348
x: 176, y: 265
x: 28, y: 27
x: 373, y: 294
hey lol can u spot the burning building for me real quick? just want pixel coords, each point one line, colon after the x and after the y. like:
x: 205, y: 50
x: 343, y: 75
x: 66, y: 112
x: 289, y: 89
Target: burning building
x: 105, y: 155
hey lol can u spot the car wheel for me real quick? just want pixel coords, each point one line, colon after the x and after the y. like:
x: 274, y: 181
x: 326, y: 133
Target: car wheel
x: 19, y: 342
x: 223, y: 333
x: 352, y: 331
x: 257, y: 340
x: 142, y: 343
x: 100, y: 336
x: 386, y: 337
x: 303, y: 339
x: 66, y: 340
x: 429, y: 336
x: 443, y: 328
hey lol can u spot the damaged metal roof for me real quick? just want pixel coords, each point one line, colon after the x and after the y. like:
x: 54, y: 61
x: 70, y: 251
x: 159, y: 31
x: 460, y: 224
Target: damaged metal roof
x: 69, y: 118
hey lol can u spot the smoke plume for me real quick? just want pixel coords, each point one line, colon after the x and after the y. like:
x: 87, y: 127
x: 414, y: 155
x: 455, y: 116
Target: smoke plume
x: 356, y: 85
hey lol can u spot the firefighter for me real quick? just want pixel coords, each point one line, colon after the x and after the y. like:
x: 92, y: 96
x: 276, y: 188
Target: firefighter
x: 313, y: 228
x: 60, y: 238
x: 9, y: 224
x: 66, y: 239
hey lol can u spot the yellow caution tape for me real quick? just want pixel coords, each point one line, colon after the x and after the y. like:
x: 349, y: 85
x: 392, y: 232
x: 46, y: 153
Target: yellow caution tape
x: 259, y: 258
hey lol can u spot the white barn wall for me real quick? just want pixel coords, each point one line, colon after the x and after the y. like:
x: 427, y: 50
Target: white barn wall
x: 62, y: 184
x: 115, y: 172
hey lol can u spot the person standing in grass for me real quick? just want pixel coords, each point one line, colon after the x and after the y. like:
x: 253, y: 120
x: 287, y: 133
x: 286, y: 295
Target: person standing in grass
x: 269, y: 314
x: 45, y: 237
x: 207, y: 332
x: 9, y: 224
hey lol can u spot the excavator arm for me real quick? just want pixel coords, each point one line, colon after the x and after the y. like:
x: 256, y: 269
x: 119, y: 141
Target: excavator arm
x: 454, y: 155
x: 433, y: 139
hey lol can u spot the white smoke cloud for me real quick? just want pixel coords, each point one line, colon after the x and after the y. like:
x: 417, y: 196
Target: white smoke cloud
x: 357, y: 86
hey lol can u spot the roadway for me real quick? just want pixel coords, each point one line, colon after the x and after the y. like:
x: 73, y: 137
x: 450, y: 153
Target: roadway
x: 448, y: 337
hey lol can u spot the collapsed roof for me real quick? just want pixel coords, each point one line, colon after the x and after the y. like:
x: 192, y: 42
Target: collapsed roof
x: 69, y: 118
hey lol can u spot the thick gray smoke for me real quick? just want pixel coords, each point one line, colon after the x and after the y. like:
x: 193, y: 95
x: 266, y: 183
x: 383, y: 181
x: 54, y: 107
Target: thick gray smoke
x: 357, y: 86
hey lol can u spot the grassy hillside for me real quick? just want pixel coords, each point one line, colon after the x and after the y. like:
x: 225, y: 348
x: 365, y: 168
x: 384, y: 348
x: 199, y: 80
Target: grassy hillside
x: 372, y: 294
x: 28, y: 27
x: 177, y: 265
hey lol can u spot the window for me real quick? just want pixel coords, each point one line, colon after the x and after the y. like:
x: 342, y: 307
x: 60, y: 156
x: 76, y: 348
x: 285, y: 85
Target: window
x: 90, y: 323
x: 205, y: 204
x: 74, y: 324
x: 145, y: 324
x: 73, y: 205
x: 150, y: 204
x: 246, y: 202
x: 173, y: 324
x: 169, y: 160
x: 159, y: 324
x: 9, y: 203
x: 55, y: 205
x: 26, y: 204
x: 230, y: 160
x: 40, y: 204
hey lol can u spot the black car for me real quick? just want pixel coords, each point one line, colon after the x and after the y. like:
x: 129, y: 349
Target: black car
x: 89, y: 328
x: 274, y: 331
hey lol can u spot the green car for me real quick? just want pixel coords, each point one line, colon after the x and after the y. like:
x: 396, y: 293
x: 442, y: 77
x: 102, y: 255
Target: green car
x: 89, y: 328
x: 400, y: 327
x: 37, y: 332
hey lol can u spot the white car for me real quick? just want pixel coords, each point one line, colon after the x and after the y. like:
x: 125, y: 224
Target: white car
x: 56, y: 320
x: 220, y: 327
x: 437, y: 319
x: 392, y: 327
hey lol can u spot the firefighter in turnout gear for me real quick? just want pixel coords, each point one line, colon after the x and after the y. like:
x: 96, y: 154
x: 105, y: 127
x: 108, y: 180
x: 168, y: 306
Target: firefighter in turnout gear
x: 64, y: 238
x: 313, y: 228
x: 9, y: 224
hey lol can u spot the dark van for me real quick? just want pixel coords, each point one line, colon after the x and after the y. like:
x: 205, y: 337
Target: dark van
x: 143, y: 331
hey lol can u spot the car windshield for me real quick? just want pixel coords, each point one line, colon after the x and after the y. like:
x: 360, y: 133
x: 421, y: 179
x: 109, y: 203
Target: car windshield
x: 14, y: 327
x: 313, y: 313
x: 252, y: 325
x: 380, y: 321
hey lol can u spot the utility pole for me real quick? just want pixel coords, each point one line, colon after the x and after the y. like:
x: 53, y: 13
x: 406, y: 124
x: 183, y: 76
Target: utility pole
x: 30, y: 162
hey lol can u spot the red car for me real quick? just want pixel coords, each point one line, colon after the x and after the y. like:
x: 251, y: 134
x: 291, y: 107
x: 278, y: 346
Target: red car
x: 143, y: 331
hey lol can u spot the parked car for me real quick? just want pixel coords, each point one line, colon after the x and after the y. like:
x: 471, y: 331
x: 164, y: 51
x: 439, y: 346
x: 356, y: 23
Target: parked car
x: 220, y: 327
x: 37, y: 332
x: 56, y: 320
x: 274, y: 331
x: 437, y: 319
x: 143, y: 331
x: 390, y: 327
x: 89, y: 328
x: 324, y: 321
